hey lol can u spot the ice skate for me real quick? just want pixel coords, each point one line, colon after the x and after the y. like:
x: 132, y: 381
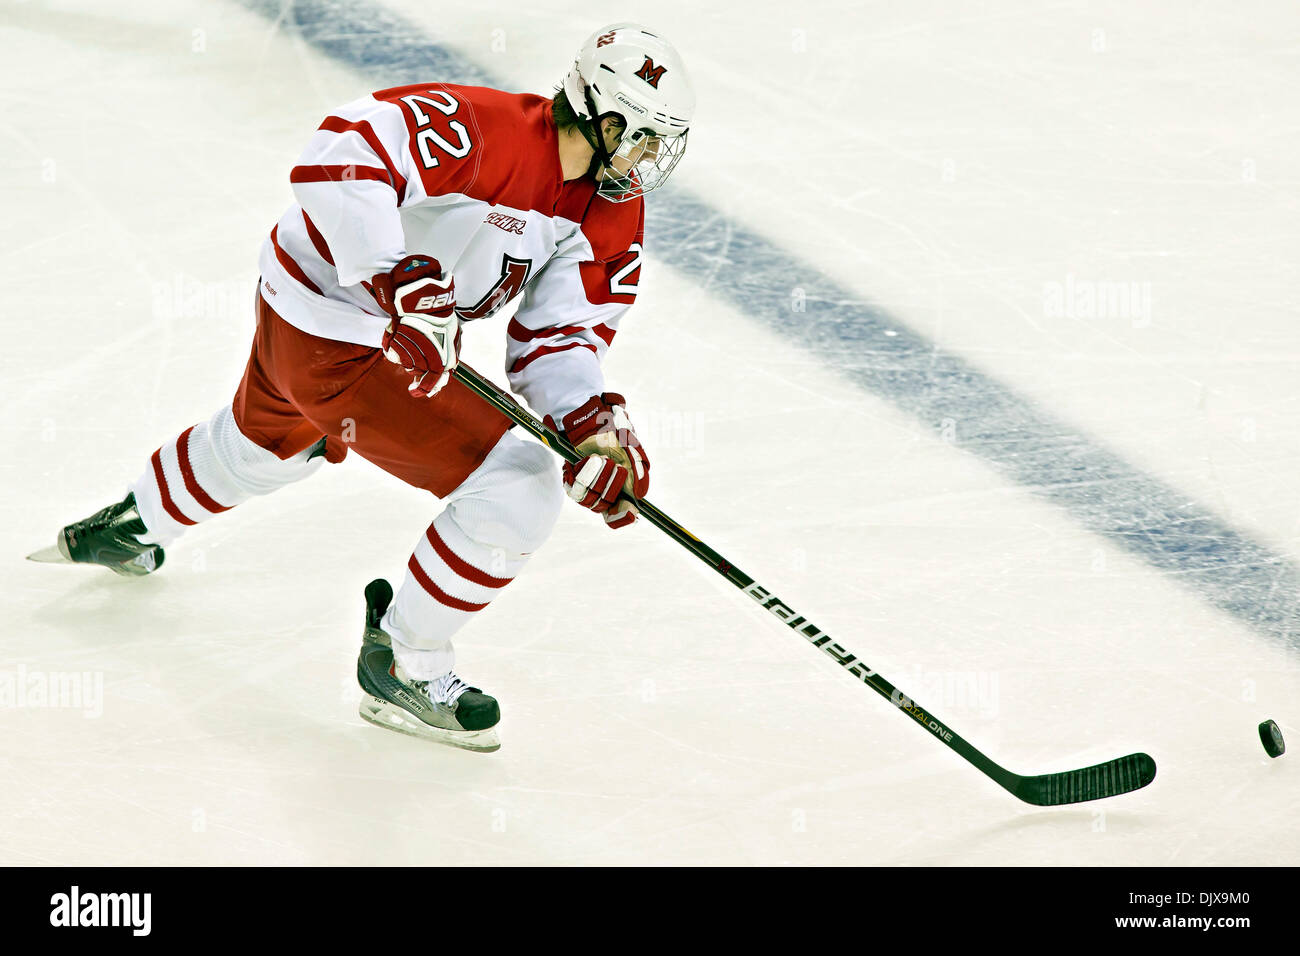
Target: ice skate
x: 446, y: 710
x: 107, y: 538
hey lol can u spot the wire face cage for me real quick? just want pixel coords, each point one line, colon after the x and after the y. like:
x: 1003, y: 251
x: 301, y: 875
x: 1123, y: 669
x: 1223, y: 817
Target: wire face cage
x: 641, y: 163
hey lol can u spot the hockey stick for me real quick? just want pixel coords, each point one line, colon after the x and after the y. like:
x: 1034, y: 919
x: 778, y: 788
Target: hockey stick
x: 1108, y: 779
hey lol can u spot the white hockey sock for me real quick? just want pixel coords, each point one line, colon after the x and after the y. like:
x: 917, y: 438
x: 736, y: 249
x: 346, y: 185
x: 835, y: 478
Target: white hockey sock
x: 205, y: 470
x: 448, y: 580
x: 502, y: 513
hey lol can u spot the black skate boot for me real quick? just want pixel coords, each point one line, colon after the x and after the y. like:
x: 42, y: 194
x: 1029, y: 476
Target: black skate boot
x: 107, y: 538
x: 446, y: 710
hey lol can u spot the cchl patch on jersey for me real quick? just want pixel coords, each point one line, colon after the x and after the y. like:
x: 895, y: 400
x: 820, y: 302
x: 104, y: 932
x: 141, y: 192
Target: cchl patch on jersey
x: 508, y: 223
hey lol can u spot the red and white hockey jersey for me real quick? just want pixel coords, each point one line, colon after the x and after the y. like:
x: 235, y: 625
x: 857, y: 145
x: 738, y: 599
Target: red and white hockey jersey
x: 470, y: 176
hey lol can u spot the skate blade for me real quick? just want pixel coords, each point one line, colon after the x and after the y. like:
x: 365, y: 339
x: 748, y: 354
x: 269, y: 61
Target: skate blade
x: 50, y: 555
x: 391, y: 717
x: 137, y: 567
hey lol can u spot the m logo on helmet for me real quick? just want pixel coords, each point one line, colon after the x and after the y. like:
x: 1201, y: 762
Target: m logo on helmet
x: 651, y: 73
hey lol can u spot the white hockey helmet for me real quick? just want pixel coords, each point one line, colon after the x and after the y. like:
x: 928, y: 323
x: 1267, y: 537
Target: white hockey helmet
x: 638, y: 75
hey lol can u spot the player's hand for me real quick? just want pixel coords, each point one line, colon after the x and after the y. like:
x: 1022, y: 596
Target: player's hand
x: 613, y: 460
x: 424, y: 334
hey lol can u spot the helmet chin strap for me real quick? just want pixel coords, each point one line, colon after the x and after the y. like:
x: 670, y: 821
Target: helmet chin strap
x: 602, y: 159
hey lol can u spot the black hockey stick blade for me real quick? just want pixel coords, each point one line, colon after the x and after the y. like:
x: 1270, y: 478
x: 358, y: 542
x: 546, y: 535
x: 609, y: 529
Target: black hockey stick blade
x: 1046, y: 790
x: 1121, y: 775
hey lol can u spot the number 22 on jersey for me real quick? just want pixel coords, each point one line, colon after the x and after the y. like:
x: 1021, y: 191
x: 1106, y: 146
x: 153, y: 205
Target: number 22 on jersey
x: 426, y: 137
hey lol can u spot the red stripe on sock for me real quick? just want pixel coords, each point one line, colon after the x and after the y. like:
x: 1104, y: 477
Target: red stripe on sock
x: 437, y: 593
x: 460, y: 565
x: 187, y: 472
x: 168, y: 505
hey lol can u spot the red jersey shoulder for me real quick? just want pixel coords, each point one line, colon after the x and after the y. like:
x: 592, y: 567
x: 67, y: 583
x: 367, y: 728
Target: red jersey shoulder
x: 611, y: 227
x: 615, y: 231
x: 485, y: 143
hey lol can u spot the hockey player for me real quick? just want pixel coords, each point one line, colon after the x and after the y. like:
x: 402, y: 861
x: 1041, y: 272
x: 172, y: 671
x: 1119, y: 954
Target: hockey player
x: 421, y: 209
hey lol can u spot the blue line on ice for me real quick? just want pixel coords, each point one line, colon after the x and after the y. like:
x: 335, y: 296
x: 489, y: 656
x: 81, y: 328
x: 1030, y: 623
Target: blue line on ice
x: 1056, y: 461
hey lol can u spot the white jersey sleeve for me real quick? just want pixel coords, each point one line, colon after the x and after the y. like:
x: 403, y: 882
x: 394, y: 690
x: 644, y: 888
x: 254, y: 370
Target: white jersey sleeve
x: 355, y: 172
x: 565, y: 325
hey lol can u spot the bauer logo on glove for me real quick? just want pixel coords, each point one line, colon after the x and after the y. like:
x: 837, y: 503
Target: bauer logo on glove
x: 613, y: 461
x: 424, y: 334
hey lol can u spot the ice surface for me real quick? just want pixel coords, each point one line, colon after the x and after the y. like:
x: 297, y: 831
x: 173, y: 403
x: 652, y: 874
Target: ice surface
x: 963, y: 177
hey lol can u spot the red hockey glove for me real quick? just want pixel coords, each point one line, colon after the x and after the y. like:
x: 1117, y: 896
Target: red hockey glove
x: 613, y: 461
x: 424, y: 334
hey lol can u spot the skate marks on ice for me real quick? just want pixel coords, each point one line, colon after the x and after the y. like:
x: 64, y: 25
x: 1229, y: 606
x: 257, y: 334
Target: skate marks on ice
x: 864, y: 343
x: 1055, y: 460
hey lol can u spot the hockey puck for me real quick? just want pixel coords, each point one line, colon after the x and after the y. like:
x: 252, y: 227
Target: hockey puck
x: 1270, y: 735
